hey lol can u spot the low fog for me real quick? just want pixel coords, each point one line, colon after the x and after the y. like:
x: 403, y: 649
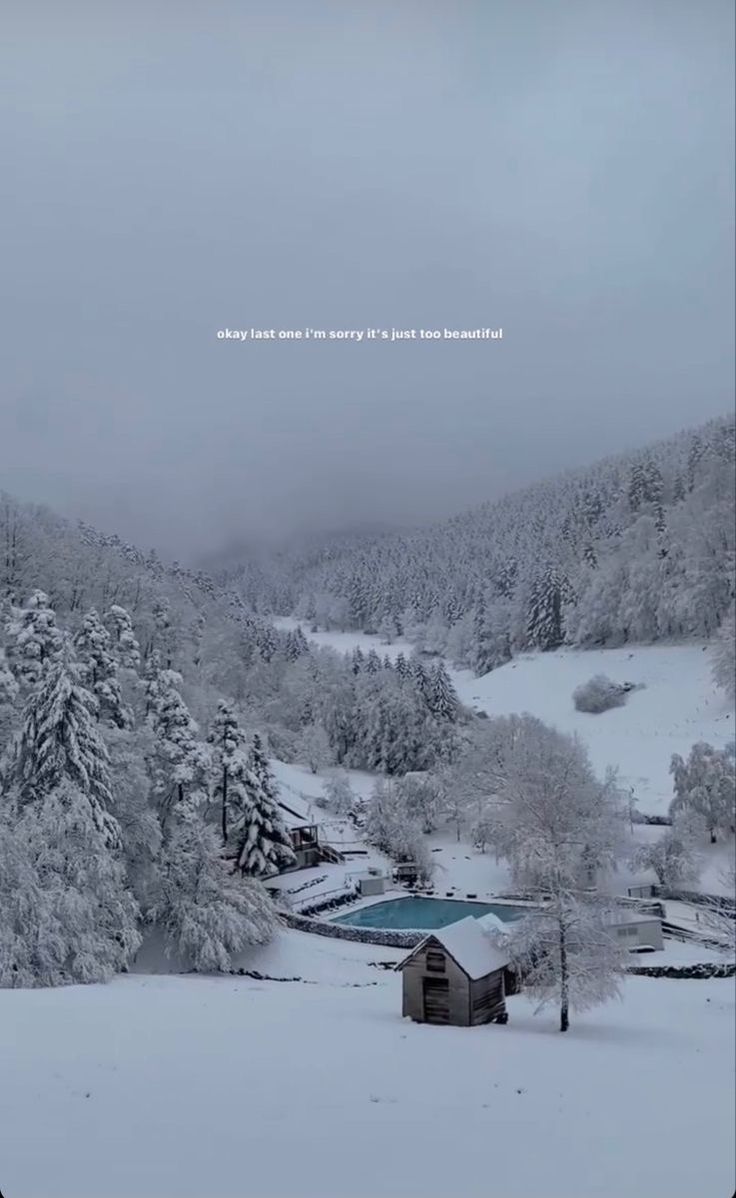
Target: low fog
x: 563, y: 171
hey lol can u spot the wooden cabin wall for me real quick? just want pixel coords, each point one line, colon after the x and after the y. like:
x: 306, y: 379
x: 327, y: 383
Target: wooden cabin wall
x: 413, y: 976
x: 487, y: 998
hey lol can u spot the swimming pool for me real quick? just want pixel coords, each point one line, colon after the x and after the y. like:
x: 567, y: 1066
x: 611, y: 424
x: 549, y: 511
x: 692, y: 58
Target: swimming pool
x: 419, y: 914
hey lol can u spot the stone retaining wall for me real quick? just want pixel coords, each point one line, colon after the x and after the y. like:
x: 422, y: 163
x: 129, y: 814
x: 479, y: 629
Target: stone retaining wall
x: 388, y: 937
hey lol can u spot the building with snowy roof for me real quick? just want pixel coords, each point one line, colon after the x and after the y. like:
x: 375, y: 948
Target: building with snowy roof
x: 458, y: 975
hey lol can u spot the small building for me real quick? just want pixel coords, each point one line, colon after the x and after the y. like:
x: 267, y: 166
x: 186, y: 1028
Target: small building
x: 369, y: 883
x: 638, y: 931
x: 307, y: 841
x: 457, y: 975
x: 645, y: 890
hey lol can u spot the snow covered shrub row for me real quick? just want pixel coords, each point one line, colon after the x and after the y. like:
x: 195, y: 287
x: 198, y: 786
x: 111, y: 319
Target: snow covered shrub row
x: 599, y: 694
x: 702, y: 971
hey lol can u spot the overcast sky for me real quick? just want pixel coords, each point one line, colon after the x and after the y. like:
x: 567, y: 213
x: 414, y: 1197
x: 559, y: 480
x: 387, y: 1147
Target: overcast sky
x: 560, y: 168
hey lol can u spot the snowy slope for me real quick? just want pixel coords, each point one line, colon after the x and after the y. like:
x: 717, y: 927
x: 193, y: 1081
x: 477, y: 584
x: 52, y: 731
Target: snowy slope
x: 678, y: 706
x: 193, y: 1086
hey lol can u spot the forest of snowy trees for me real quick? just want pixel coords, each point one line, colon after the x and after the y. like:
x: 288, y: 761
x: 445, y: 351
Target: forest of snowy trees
x: 140, y: 705
x: 138, y: 709
x: 638, y: 548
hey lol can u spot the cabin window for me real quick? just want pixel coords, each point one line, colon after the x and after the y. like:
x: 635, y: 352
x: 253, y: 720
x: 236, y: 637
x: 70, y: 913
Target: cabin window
x: 435, y: 961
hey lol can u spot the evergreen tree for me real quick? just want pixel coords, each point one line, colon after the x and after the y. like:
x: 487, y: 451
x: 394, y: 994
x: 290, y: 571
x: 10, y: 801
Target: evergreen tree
x: 59, y: 742
x: 544, y: 624
x: 98, y: 670
x: 296, y: 644
x: 262, y: 839
x: 645, y: 485
x: 443, y: 701
x: 124, y: 642
x: 266, y: 641
x: 179, y: 760
x: 419, y: 677
x: 230, y: 762
x: 491, y: 645
x: 8, y: 697
x: 34, y: 641
x: 401, y: 666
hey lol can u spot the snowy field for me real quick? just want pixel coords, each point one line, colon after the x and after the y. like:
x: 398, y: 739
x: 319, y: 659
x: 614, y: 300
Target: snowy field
x: 345, y: 642
x: 677, y: 705
x: 165, y: 1087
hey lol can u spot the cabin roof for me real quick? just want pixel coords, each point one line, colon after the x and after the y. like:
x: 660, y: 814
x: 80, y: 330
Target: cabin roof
x: 293, y: 817
x: 470, y: 945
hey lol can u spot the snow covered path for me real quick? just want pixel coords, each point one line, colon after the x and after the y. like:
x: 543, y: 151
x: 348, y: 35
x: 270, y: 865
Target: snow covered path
x: 184, y: 1086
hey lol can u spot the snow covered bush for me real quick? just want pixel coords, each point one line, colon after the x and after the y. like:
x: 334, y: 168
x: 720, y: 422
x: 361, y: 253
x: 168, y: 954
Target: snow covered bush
x: 206, y: 913
x: 313, y: 747
x: 339, y: 794
x: 599, y: 694
x: 419, y: 795
x: 672, y: 858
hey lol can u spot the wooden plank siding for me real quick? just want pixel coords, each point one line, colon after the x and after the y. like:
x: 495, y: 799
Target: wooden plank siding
x: 487, y: 998
x: 414, y: 974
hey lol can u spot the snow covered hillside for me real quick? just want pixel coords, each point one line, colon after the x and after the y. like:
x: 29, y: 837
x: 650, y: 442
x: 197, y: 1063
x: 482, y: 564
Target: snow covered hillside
x: 677, y: 706
x: 231, y: 1086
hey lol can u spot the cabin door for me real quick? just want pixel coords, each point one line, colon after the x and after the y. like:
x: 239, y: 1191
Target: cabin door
x: 436, y: 1000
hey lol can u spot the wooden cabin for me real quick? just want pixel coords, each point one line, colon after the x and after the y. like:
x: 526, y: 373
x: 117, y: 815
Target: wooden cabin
x: 457, y: 975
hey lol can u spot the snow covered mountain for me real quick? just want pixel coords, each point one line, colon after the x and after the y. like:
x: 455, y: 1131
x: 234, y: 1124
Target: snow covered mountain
x: 637, y: 549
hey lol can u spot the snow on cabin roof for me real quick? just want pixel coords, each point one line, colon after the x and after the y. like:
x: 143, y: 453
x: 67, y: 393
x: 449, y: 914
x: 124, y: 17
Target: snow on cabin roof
x: 470, y: 945
x: 292, y: 816
x: 492, y: 923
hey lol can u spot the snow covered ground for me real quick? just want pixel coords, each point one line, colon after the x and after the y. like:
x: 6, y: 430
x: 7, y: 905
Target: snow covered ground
x: 677, y: 706
x: 345, y: 642
x: 167, y: 1086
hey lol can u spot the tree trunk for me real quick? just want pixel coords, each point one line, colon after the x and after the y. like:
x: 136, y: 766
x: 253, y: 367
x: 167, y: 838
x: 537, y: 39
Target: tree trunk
x: 224, y: 804
x: 564, y: 980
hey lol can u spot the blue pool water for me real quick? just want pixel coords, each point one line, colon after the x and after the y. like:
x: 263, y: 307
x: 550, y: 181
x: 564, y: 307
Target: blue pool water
x: 423, y: 913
